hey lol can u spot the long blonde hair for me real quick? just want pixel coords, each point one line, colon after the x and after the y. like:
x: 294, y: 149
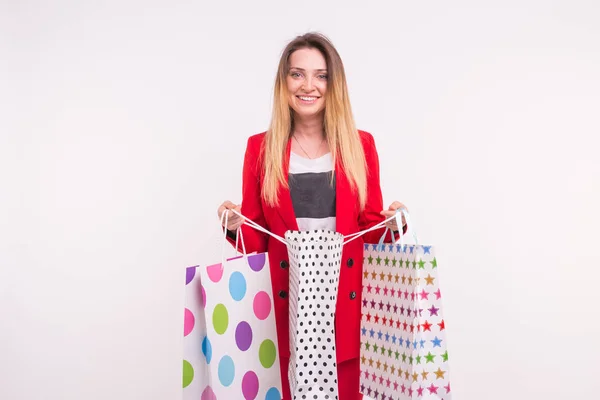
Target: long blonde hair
x: 338, y: 124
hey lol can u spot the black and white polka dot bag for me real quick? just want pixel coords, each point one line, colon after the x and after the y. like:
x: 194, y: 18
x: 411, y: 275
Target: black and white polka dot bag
x: 315, y: 258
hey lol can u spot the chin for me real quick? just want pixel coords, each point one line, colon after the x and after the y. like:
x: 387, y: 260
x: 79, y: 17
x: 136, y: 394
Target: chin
x: 304, y: 112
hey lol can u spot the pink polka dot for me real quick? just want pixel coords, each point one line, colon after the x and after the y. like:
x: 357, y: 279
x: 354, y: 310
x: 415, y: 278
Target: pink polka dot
x: 262, y: 305
x: 208, y: 394
x: 215, y: 272
x: 188, y: 322
x: 250, y: 385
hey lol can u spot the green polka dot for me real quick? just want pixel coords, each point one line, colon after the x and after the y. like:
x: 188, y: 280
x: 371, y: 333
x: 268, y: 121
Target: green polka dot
x: 188, y: 373
x: 266, y: 353
x: 220, y: 319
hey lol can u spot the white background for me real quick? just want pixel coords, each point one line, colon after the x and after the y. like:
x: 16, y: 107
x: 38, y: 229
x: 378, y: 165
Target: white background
x: 124, y: 125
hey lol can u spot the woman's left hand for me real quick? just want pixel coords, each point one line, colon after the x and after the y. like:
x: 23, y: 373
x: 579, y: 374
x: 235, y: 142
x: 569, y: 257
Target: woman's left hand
x: 390, y: 212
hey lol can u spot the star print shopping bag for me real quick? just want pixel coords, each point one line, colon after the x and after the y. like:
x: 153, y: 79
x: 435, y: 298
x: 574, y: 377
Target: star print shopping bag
x: 315, y: 259
x: 403, y: 340
x: 230, y: 339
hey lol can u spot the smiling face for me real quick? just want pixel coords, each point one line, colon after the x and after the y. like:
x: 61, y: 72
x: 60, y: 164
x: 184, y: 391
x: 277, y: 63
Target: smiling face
x: 307, y: 82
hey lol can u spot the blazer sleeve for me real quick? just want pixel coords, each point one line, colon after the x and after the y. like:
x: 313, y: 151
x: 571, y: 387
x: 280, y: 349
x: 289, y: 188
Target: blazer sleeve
x: 371, y: 215
x: 251, y: 207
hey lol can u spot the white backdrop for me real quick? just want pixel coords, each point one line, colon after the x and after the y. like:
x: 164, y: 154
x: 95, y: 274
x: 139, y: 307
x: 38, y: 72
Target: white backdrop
x: 124, y: 126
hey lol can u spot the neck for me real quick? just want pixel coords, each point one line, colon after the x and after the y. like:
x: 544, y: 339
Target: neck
x: 310, y: 128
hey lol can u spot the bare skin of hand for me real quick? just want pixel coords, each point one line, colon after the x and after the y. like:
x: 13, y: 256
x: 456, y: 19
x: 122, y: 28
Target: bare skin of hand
x: 390, y: 212
x: 234, y: 221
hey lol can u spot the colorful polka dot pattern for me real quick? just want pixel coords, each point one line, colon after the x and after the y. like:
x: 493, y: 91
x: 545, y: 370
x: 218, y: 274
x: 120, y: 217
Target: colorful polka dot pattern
x: 230, y: 340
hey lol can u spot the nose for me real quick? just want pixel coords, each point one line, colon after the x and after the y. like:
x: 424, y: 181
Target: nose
x: 308, y: 85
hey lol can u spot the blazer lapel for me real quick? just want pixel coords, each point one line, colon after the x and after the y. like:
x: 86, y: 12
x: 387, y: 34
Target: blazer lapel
x: 344, y: 200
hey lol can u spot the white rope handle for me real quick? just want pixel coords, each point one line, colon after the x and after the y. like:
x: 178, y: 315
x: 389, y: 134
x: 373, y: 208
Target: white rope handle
x: 239, y: 238
x: 260, y: 228
x: 348, y: 238
x: 356, y: 235
x: 224, y: 221
x: 409, y: 225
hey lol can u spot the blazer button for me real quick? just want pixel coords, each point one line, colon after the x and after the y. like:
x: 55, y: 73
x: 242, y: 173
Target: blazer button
x: 283, y: 294
x: 284, y: 264
x: 350, y: 262
x: 352, y: 295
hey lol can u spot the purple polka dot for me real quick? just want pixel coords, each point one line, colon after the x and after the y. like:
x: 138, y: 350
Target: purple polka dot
x: 243, y: 336
x: 208, y: 394
x: 250, y: 385
x: 190, y: 272
x: 257, y: 261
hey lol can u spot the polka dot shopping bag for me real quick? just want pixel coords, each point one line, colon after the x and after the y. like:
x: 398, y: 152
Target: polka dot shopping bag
x: 230, y: 339
x: 315, y: 259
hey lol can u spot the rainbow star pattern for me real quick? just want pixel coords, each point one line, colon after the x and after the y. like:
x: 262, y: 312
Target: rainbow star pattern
x: 403, y: 353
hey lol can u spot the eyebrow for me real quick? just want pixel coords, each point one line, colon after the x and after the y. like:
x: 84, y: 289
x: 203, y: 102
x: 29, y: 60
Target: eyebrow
x: 302, y: 69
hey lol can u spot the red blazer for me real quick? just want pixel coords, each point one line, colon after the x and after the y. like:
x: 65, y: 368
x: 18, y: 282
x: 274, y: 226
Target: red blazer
x: 282, y: 218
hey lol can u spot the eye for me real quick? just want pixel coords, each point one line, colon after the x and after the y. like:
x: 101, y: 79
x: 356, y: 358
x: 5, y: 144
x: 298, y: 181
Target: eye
x: 295, y: 74
x: 323, y: 76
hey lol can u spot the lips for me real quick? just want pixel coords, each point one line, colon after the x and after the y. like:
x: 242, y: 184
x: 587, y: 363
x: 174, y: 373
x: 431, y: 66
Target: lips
x: 307, y: 99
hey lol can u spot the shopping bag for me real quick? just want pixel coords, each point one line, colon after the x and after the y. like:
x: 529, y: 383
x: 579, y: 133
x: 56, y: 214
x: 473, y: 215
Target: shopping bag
x: 230, y: 337
x: 315, y: 259
x: 403, y: 353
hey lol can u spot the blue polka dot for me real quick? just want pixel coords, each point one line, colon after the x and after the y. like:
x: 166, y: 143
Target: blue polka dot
x: 237, y: 286
x: 273, y: 394
x: 207, y: 349
x: 226, y: 371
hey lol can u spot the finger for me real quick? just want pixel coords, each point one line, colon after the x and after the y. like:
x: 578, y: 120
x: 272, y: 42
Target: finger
x: 220, y: 213
x: 229, y: 205
x: 396, y: 205
x: 233, y: 227
x: 224, y: 206
x: 230, y: 216
x: 402, y: 206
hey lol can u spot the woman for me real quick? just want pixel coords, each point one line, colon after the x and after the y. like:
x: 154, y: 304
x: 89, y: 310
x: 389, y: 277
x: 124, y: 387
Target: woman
x: 313, y: 169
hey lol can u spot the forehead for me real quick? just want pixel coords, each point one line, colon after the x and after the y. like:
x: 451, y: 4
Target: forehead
x: 308, y: 59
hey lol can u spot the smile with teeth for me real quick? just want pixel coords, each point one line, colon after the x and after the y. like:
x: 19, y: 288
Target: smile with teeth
x: 308, y: 99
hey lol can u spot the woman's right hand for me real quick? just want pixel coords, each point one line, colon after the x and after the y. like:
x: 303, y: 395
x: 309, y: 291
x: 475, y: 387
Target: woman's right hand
x: 234, y: 221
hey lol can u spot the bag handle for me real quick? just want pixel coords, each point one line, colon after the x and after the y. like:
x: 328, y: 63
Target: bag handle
x: 259, y: 228
x: 239, y: 237
x: 356, y: 235
x: 348, y: 238
x: 399, y: 212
